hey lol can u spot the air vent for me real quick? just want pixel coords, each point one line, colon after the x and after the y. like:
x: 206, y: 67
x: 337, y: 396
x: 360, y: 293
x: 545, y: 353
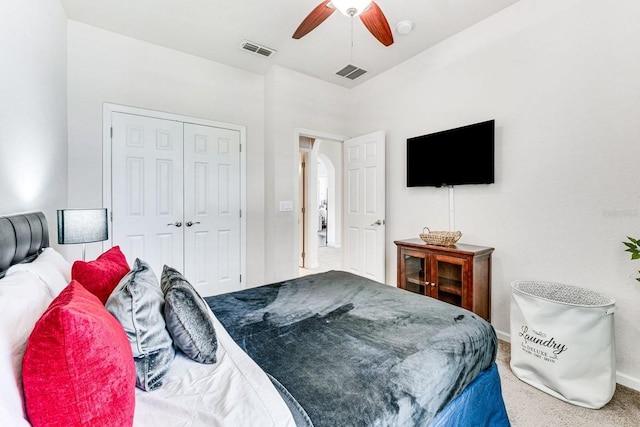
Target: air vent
x: 257, y: 49
x: 351, y: 72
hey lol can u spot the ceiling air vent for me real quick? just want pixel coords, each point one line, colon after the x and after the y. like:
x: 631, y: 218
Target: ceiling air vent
x: 351, y: 72
x: 257, y: 49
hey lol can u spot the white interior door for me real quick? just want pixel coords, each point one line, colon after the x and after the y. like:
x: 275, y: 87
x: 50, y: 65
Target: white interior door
x: 147, y: 182
x: 364, y: 206
x: 212, y: 208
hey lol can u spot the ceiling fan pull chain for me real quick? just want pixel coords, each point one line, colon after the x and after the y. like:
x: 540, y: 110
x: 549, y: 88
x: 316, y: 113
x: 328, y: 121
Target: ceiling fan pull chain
x: 351, y: 58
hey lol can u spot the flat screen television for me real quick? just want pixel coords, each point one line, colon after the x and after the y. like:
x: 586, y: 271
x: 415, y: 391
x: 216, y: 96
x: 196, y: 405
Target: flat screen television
x: 463, y: 155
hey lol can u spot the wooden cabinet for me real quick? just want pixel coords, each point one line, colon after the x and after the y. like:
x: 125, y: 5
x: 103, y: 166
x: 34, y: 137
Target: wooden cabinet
x: 459, y: 275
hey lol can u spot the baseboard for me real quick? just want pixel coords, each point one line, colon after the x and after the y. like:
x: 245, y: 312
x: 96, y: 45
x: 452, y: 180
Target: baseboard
x: 503, y: 336
x: 622, y: 379
x: 628, y: 381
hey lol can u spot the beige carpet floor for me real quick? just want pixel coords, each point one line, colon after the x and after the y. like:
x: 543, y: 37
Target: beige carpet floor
x: 529, y: 407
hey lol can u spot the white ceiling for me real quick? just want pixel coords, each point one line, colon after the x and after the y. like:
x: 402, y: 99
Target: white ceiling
x: 215, y: 29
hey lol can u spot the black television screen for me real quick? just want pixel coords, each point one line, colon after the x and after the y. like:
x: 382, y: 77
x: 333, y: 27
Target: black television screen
x: 463, y: 155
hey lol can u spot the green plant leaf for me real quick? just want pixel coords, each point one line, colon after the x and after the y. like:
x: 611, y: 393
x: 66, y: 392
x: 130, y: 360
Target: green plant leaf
x: 633, y: 247
x: 634, y: 242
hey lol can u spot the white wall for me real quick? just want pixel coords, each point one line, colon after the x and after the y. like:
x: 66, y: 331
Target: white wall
x: 292, y: 101
x: 106, y: 67
x: 33, y: 108
x: 561, y: 80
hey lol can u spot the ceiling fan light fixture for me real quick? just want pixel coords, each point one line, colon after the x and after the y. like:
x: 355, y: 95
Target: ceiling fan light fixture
x: 351, y: 7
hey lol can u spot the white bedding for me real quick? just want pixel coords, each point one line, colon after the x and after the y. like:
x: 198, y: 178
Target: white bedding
x: 234, y: 391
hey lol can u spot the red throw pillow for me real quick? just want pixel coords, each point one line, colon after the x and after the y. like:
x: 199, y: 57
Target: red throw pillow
x: 78, y: 368
x: 101, y: 276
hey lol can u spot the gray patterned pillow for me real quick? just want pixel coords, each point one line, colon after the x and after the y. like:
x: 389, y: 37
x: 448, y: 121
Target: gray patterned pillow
x: 188, y: 317
x: 137, y: 302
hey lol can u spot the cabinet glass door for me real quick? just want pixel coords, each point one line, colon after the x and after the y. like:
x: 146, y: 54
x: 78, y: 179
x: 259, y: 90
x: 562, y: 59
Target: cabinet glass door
x: 415, y: 273
x: 449, y: 275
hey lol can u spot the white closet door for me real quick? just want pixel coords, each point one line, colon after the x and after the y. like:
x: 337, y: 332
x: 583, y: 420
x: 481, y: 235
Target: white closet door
x: 147, y: 183
x: 212, y: 208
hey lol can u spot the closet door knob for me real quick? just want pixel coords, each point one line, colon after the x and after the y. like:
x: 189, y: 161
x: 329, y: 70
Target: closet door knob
x: 177, y: 224
x: 189, y: 223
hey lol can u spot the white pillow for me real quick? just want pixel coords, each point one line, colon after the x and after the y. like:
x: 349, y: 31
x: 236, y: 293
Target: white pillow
x: 50, y: 267
x: 23, y: 299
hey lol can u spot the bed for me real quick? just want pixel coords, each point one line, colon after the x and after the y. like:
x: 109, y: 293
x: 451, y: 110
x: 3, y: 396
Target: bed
x: 331, y: 349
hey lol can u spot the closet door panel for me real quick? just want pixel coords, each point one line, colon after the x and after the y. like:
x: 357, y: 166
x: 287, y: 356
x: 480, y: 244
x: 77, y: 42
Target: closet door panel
x: 147, y: 204
x: 212, y: 208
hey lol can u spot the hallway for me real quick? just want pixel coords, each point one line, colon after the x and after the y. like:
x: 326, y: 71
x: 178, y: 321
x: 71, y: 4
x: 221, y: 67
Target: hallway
x: 329, y: 258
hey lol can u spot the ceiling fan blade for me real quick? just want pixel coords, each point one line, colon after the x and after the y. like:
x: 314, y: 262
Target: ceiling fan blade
x: 377, y: 24
x: 315, y: 18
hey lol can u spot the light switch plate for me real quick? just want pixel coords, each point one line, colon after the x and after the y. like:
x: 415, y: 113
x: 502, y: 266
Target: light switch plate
x: 286, y: 206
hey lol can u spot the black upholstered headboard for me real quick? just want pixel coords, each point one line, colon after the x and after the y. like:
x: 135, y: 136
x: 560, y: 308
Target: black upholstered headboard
x: 22, y: 237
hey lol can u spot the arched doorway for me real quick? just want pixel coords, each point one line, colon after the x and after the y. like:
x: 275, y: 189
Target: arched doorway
x: 322, y: 195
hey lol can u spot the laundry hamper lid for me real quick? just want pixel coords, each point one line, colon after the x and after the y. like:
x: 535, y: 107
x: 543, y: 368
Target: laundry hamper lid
x: 566, y: 294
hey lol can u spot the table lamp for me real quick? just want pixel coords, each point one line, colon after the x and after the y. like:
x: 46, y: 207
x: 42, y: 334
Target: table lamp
x: 82, y: 226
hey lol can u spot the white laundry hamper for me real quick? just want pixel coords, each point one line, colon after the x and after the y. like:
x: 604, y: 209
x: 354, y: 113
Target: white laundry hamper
x: 563, y: 342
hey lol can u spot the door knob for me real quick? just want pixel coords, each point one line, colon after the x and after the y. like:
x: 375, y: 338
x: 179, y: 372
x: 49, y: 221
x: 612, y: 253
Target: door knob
x: 177, y: 224
x: 378, y: 222
x: 189, y: 223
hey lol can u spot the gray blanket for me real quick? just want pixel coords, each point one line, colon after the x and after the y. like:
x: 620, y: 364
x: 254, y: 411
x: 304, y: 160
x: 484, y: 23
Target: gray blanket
x: 354, y: 352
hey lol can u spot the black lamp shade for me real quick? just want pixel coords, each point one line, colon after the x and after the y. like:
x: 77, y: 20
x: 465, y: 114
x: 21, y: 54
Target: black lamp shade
x: 82, y: 225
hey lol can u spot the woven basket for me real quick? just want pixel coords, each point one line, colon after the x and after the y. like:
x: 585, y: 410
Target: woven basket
x: 440, y: 238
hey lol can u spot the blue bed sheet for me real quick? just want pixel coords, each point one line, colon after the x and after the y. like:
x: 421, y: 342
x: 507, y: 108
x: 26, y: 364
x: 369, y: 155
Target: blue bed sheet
x: 479, y: 405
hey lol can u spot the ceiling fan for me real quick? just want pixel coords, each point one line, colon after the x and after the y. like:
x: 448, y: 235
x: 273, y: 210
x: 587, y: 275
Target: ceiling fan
x: 369, y: 12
